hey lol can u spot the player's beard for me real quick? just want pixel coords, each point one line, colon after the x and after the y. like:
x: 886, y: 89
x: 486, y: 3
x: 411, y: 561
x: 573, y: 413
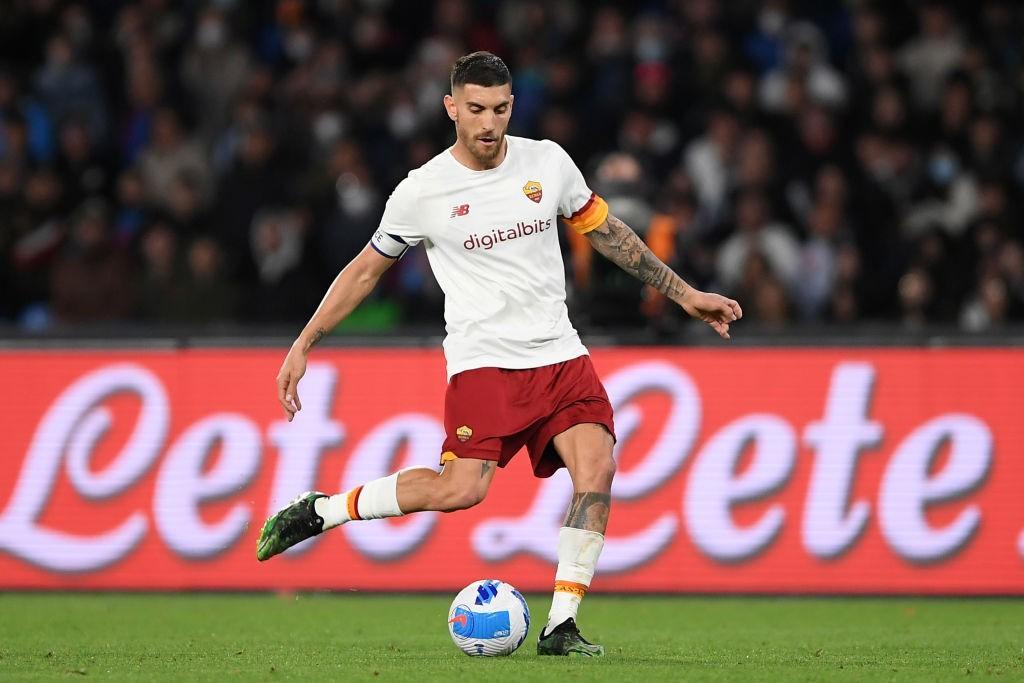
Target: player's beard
x: 484, y: 154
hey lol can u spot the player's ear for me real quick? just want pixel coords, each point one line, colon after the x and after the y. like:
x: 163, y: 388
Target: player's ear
x: 449, y: 106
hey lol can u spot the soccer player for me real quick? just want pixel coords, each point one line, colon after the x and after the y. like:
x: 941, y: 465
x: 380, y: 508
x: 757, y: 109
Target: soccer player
x: 486, y: 211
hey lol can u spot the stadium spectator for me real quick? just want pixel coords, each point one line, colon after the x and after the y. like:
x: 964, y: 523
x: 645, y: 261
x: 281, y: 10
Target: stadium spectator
x: 68, y: 87
x: 35, y: 230
x: 169, y: 155
x: 805, y: 62
x: 214, y: 70
x: 255, y: 180
x: 132, y: 209
x: 161, y: 273
x: 769, y: 302
x: 916, y: 298
x: 818, y: 259
x: 989, y: 306
x: 278, y: 242
x: 933, y: 54
x: 88, y: 280
x: 756, y: 231
x: 83, y: 171
x: 206, y: 296
x: 708, y: 159
x: 348, y: 206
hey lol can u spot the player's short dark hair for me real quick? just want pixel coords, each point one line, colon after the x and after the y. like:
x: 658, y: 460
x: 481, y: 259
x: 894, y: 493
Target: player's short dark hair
x: 480, y: 68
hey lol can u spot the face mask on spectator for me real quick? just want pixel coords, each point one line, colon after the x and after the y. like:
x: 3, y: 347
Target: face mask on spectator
x: 771, y: 21
x: 943, y: 168
x: 402, y: 120
x: 79, y: 29
x: 210, y: 34
x: 298, y: 45
x: 354, y: 198
x: 651, y: 49
x: 328, y: 127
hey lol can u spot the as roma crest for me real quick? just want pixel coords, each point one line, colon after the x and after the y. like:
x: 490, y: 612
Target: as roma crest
x: 533, y: 191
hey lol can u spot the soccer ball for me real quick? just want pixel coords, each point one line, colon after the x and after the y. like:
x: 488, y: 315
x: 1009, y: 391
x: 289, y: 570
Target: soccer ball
x: 488, y: 618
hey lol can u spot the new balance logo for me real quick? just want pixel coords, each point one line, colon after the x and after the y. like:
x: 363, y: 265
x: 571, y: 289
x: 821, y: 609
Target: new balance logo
x: 460, y: 210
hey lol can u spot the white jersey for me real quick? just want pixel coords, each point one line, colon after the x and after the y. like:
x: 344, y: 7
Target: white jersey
x: 492, y: 241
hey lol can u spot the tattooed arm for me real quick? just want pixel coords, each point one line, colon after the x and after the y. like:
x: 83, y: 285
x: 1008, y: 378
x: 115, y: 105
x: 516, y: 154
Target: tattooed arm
x: 348, y: 290
x: 619, y: 244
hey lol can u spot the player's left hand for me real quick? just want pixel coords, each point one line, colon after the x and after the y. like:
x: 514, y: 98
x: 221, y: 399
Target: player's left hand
x: 714, y: 309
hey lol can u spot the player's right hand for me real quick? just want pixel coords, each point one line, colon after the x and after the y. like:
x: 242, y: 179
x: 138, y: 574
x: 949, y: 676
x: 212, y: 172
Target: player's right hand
x: 292, y: 370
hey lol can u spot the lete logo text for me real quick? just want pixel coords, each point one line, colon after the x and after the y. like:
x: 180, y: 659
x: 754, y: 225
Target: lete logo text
x: 751, y: 485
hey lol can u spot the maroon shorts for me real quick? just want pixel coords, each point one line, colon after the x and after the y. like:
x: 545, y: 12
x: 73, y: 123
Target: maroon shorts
x: 490, y: 413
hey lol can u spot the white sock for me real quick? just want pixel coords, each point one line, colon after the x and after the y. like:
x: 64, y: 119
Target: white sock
x: 373, y: 500
x: 578, y: 551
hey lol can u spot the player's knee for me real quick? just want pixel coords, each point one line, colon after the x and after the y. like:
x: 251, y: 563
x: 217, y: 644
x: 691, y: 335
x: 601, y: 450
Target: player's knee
x: 461, y: 498
x: 596, y: 475
x: 606, y: 470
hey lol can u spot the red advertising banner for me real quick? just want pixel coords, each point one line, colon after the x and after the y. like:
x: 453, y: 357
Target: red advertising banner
x: 793, y: 471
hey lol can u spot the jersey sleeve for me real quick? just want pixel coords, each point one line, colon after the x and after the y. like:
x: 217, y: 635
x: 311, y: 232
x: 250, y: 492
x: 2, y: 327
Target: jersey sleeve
x: 579, y: 206
x: 399, y: 228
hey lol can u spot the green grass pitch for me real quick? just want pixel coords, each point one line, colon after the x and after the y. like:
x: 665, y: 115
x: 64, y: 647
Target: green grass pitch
x: 404, y: 638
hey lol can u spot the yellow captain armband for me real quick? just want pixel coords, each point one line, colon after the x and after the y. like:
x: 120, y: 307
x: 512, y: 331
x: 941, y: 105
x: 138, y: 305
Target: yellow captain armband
x: 589, y: 216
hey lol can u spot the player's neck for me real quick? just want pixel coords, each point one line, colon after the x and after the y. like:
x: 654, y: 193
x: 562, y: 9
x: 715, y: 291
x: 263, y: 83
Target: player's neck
x: 467, y: 159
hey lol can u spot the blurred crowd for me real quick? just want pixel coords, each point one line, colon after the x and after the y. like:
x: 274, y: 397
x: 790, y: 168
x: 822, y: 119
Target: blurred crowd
x: 825, y: 162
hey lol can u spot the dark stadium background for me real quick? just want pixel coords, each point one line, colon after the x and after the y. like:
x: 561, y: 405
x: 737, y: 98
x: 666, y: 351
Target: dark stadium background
x: 830, y: 164
x: 181, y: 180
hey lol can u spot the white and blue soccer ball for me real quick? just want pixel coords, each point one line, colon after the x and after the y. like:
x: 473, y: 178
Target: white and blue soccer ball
x: 488, y: 618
